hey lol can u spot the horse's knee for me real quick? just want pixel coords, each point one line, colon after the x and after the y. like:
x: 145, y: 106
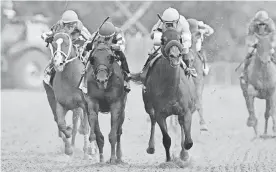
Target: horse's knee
x: 112, y: 138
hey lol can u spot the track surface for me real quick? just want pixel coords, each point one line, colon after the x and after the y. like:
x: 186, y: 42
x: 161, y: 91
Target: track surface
x: 30, y: 141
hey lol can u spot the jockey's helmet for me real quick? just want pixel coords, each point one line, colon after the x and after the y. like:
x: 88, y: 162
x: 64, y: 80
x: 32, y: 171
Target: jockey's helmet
x: 261, y: 16
x: 170, y: 17
x: 107, y: 30
x: 69, y: 16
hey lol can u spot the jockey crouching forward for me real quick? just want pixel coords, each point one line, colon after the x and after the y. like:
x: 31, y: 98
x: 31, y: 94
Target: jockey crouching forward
x: 261, y: 25
x: 113, y: 36
x: 171, y: 18
x: 199, y: 30
x: 70, y: 24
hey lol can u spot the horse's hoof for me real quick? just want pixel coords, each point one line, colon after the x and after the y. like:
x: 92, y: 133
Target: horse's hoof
x: 251, y: 122
x: 264, y: 136
x: 203, y: 127
x: 120, y: 161
x: 150, y: 150
x: 68, y: 150
x: 112, y: 161
x: 87, y: 157
x: 101, y: 158
x: 184, y: 156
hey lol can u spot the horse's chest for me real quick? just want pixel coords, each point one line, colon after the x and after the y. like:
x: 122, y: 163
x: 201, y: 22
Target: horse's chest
x: 262, y: 77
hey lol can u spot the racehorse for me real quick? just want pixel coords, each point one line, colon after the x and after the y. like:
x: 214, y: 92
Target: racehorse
x: 197, y: 61
x: 260, y: 81
x: 63, y: 93
x: 105, y: 90
x: 169, y: 92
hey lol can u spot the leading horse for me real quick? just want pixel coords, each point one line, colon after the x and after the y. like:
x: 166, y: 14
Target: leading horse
x: 63, y: 93
x: 195, y: 60
x: 259, y: 81
x: 105, y: 86
x: 169, y: 92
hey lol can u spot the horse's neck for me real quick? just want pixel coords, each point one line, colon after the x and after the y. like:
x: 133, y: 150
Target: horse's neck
x: 72, y: 71
x: 166, y: 76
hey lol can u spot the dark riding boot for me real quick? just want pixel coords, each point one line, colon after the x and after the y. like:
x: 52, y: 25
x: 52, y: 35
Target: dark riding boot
x: 189, y: 70
x: 143, y: 73
x: 125, y: 69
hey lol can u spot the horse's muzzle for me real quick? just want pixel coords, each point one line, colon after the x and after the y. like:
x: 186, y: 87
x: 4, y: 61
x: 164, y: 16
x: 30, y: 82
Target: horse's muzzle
x: 102, y: 79
x: 174, y: 61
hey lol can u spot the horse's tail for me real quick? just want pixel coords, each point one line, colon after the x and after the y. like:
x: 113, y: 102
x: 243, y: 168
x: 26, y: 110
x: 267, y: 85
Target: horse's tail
x: 136, y: 78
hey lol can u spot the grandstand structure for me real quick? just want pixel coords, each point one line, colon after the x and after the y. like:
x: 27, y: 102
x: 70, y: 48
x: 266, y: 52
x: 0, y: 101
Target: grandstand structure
x: 123, y: 9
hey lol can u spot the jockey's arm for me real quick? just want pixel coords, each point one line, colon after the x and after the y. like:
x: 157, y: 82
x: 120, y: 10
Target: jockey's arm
x: 156, y: 33
x: 50, y: 33
x: 186, y: 35
x: 120, y: 40
x: 207, y: 30
x: 251, y: 27
x: 271, y: 25
x: 86, y: 34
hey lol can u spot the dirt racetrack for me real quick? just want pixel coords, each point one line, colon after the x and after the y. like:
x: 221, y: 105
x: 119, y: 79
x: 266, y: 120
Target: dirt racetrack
x: 30, y: 141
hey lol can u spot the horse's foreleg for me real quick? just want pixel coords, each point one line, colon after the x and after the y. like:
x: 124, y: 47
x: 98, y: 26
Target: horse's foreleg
x: 84, y: 130
x: 267, y: 114
x: 252, y: 120
x: 92, y: 118
x: 188, y: 143
x: 99, y: 139
x: 184, y: 154
x: 271, y: 111
x: 67, y: 131
x: 249, y: 93
x: 166, y: 138
x: 116, y: 113
x: 61, y: 112
x: 151, y: 148
x: 199, y: 107
x: 119, y: 133
x: 75, y: 119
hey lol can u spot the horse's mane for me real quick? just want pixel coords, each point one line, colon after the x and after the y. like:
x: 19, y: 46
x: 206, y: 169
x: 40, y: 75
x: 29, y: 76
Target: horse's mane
x: 102, y: 47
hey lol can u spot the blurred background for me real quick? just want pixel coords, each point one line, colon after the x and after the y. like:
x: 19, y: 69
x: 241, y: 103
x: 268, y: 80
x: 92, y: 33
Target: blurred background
x: 24, y: 55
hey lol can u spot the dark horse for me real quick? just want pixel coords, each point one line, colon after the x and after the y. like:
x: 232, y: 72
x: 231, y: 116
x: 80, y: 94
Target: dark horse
x: 195, y: 59
x: 105, y: 86
x: 169, y: 92
x: 259, y: 81
x: 63, y: 93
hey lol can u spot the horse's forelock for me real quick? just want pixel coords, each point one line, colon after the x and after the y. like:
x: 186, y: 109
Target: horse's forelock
x: 63, y: 36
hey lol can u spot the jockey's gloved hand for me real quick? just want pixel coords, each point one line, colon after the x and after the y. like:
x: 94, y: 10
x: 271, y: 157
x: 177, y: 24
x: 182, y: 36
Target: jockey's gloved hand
x: 49, y: 39
x: 115, y: 47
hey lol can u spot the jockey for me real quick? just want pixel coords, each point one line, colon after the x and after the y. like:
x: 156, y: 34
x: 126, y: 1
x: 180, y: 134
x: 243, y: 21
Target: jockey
x: 113, y: 36
x: 69, y: 23
x: 171, y: 18
x: 199, y: 30
x: 262, y: 25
